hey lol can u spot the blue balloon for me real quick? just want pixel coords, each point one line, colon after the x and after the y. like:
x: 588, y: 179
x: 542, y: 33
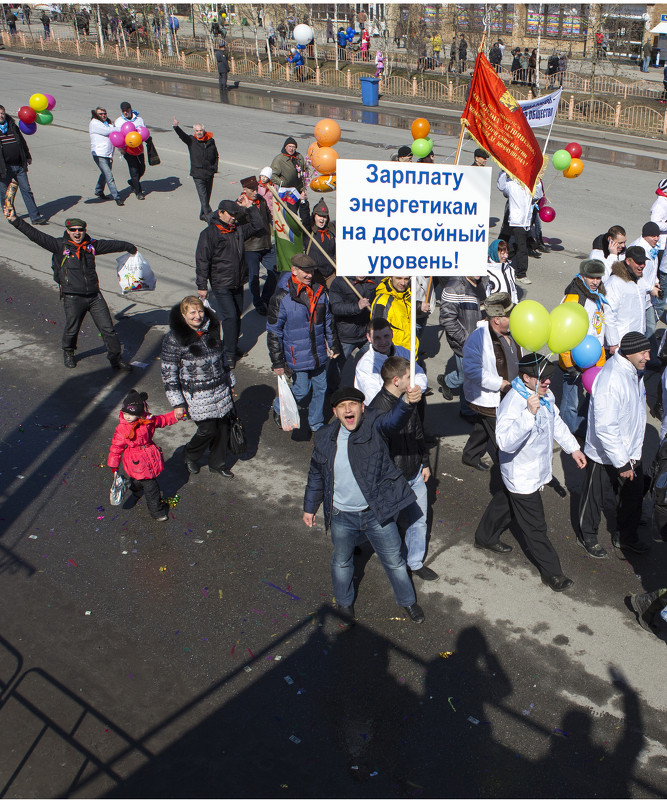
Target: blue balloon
x: 587, y: 353
x: 350, y: 37
x: 27, y: 128
x: 349, y: 31
x: 301, y: 47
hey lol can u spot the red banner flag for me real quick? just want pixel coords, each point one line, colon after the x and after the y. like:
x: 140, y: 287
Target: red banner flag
x: 496, y: 122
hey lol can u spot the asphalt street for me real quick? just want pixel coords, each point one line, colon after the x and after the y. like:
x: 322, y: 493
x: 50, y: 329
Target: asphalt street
x: 202, y: 657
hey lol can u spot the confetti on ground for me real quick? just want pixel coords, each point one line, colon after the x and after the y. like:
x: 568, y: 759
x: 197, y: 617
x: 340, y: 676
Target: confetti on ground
x: 276, y: 587
x: 450, y: 702
x: 204, y: 591
x: 473, y: 720
x: 247, y: 669
x: 294, y: 739
x: 289, y: 679
x: 446, y: 654
x: 449, y: 475
x: 139, y: 364
x: 72, y: 562
x: 163, y: 569
x: 89, y: 613
x: 560, y: 731
x: 172, y: 501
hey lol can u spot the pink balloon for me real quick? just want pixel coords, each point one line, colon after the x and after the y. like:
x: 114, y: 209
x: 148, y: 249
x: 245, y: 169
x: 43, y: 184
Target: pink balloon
x: 588, y: 377
x: 541, y: 202
x: 117, y: 139
x: 52, y: 101
x: 547, y: 214
x: 127, y: 127
x: 143, y: 132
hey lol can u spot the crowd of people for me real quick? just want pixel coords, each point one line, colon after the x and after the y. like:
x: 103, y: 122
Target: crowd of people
x: 370, y: 465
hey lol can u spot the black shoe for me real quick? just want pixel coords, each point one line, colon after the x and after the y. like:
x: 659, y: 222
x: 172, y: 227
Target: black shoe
x: 497, y: 547
x: 121, y: 365
x: 41, y: 220
x: 102, y: 196
x: 415, y: 613
x: 635, y: 545
x: 347, y: 613
x: 239, y: 355
x: 593, y: 549
x: 641, y: 605
x: 193, y: 467
x: 447, y: 394
x: 221, y: 471
x: 557, y: 583
x: 426, y: 574
x: 534, y: 254
x: 481, y: 465
x: 141, y: 196
x: 119, y: 201
x: 543, y: 248
x: 657, y: 411
x: 276, y: 419
x: 68, y: 358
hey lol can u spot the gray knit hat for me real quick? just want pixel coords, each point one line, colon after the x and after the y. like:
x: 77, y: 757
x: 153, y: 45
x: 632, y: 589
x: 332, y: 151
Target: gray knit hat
x: 633, y: 342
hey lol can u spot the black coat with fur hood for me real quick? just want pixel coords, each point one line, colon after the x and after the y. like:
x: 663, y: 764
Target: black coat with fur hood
x: 195, y: 372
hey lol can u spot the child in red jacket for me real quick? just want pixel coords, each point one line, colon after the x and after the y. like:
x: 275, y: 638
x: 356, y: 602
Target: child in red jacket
x: 133, y: 444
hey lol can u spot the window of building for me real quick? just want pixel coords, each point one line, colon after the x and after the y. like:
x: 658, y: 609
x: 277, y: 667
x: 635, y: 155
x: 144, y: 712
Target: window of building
x: 556, y: 21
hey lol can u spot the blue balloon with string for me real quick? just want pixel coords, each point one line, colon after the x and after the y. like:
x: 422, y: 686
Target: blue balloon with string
x: 587, y: 352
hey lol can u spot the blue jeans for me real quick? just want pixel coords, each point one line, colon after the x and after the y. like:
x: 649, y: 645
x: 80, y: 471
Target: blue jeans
x: 454, y: 380
x: 253, y: 258
x: 573, y: 406
x: 349, y: 528
x: 21, y: 175
x: 645, y: 63
x: 416, y: 516
x: 106, y: 176
x: 304, y: 382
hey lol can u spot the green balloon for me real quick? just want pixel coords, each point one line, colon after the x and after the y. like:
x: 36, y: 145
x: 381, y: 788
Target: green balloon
x: 569, y: 325
x: 561, y: 159
x: 44, y: 118
x: 530, y: 324
x: 421, y: 148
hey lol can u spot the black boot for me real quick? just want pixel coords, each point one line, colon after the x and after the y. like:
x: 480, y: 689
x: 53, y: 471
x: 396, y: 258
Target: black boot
x: 68, y: 358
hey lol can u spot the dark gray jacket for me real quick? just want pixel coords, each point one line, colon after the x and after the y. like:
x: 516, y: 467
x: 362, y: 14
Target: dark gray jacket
x: 460, y: 310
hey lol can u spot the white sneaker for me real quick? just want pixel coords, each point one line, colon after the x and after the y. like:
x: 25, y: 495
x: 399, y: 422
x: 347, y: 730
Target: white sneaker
x: 524, y: 280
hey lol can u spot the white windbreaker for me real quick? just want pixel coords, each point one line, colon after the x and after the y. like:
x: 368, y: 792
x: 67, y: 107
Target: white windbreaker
x: 650, y: 274
x: 481, y: 382
x: 617, y: 414
x: 627, y: 306
x: 367, y: 376
x: 520, y: 200
x: 525, y: 442
x: 659, y: 216
x: 99, y: 138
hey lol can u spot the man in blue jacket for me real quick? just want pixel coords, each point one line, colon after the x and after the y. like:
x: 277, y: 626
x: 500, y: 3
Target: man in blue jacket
x: 362, y: 493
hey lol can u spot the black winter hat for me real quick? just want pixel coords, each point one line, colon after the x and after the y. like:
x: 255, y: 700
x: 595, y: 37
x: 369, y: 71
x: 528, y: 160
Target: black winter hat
x: 403, y: 151
x: 290, y: 141
x: 650, y: 229
x: 634, y: 342
x: 135, y: 403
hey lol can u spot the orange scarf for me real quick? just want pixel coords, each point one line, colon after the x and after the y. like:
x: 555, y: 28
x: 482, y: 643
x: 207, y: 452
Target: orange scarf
x: 313, y: 297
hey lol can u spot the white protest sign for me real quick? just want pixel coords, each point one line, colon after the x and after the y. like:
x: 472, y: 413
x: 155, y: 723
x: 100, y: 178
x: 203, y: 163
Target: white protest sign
x: 542, y: 111
x: 402, y: 218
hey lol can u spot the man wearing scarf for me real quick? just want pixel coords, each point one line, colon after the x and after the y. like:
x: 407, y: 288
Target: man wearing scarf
x: 203, y: 162
x: 14, y: 160
x: 586, y: 289
x: 527, y: 424
x: 289, y: 166
x: 74, y: 270
x: 323, y: 232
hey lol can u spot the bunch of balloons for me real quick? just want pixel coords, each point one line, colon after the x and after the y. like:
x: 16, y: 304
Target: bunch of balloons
x: 37, y: 112
x: 130, y: 139
x: 569, y: 160
x: 422, y: 144
x: 322, y: 155
x: 349, y: 31
x: 564, y: 329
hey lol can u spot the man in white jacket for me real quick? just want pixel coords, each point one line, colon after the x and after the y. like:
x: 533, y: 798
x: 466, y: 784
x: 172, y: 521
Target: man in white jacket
x: 527, y: 424
x: 614, y: 441
x: 648, y: 242
x: 520, y: 203
x: 101, y: 150
x: 490, y: 364
x: 626, y: 293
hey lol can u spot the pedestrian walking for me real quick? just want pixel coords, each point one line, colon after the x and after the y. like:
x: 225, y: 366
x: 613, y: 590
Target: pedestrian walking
x: 653, y: 304
x: 350, y: 301
x: 463, y: 53
x: 136, y: 164
x: 323, y: 232
x: 259, y: 249
x: 647, y: 51
x: 626, y: 293
x: 203, y: 162
x: 15, y: 159
x: 101, y: 149
x: 289, y: 166
x: 45, y: 19
x: 519, y: 210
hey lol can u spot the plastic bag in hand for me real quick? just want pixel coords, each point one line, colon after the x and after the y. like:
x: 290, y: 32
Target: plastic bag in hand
x: 134, y: 273
x: 289, y: 411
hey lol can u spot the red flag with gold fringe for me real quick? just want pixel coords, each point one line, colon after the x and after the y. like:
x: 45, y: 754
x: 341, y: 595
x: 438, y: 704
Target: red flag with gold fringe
x: 496, y: 122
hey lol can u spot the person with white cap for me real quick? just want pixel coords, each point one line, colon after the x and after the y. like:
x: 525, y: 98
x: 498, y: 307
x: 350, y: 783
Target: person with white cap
x: 614, y: 442
x: 527, y: 423
x: 264, y: 182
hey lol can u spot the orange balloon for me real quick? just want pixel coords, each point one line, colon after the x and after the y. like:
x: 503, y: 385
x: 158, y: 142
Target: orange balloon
x: 323, y: 183
x: 327, y: 133
x: 575, y: 169
x: 324, y: 160
x: 133, y: 139
x: 420, y: 128
x: 312, y: 149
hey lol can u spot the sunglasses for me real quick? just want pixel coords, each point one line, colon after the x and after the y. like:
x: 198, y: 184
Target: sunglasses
x: 76, y: 230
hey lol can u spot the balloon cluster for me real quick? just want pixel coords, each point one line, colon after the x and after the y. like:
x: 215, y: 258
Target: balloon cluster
x: 130, y: 139
x: 568, y: 161
x: 37, y: 112
x: 422, y: 145
x: 349, y: 32
x: 303, y: 35
x: 322, y: 155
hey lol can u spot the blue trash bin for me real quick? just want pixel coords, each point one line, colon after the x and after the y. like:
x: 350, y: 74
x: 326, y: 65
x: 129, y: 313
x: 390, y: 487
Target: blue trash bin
x: 370, y: 90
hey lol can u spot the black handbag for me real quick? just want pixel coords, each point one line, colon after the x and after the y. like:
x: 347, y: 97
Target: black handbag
x: 153, y: 158
x: 238, y: 442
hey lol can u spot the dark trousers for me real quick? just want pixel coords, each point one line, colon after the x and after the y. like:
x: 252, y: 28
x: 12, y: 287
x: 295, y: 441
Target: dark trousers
x: 222, y: 80
x: 481, y: 440
x: 137, y: 167
x: 213, y: 434
x: 520, y: 258
x: 204, y: 187
x: 629, y: 496
x: 76, y: 307
x: 253, y: 259
x: 528, y: 512
x: 230, y: 304
x: 151, y: 491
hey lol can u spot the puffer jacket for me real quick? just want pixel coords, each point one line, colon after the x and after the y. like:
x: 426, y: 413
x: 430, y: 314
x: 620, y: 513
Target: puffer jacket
x: 406, y: 445
x: 76, y: 274
x: 577, y: 292
x: 220, y: 255
x: 394, y: 307
x: 264, y: 239
x: 460, y: 310
x: 525, y: 442
x: 616, y: 415
x: 627, y: 302
x: 383, y: 485
x: 133, y: 443
x: 285, y: 170
x: 297, y: 336
x: 351, y: 321
x: 195, y: 372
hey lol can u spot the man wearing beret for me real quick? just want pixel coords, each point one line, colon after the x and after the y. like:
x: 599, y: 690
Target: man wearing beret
x: 614, y: 442
x: 259, y: 249
x: 362, y: 492
x: 74, y: 270
x: 588, y: 291
x: 526, y: 426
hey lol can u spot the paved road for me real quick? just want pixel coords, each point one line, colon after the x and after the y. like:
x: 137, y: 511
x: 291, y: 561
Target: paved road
x: 143, y: 659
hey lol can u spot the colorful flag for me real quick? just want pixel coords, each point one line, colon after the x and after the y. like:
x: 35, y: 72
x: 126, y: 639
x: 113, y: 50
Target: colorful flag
x: 496, y: 122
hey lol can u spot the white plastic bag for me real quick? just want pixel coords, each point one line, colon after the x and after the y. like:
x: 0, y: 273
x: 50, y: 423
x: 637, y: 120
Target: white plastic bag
x: 134, y: 273
x: 119, y: 489
x: 289, y: 411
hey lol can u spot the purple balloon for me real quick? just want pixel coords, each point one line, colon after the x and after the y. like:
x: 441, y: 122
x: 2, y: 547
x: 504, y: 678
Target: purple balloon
x: 27, y: 128
x: 117, y: 139
x: 127, y: 127
x: 588, y: 377
x: 143, y: 132
x: 52, y: 102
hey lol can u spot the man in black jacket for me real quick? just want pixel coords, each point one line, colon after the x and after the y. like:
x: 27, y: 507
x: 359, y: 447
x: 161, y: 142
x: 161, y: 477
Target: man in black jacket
x: 410, y: 455
x: 14, y: 160
x: 259, y: 249
x: 223, y: 68
x: 73, y: 266
x: 351, y: 316
x: 220, y: 260
x: 323, y: 232
x: 203, y: 163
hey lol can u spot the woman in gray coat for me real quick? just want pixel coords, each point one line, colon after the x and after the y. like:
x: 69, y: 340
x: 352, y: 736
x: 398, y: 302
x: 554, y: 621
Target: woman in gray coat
x: 197, y: 378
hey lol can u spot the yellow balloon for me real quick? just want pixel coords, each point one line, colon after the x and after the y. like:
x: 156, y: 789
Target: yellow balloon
x: 38, y: 101
x: 323, y: 183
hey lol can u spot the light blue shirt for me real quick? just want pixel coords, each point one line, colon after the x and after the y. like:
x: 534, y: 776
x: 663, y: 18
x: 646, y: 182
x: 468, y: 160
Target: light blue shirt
x: 348, y: 497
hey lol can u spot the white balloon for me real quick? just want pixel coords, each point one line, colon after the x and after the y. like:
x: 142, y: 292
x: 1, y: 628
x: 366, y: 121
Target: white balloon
x: 303, y: 34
